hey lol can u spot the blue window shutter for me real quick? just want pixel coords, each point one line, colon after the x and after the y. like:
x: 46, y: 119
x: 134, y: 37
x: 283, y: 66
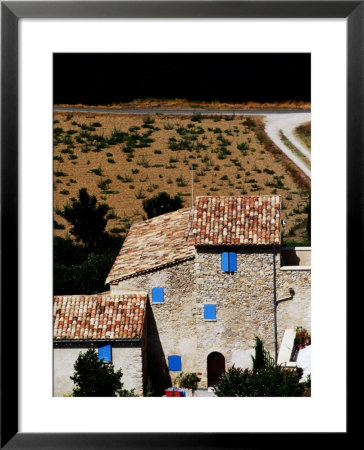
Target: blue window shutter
x: 174, y: 362
x: 105, y: 352
x: 157, y: 295
x: 225, y: 261
x: 232, y: 262
x: 209, y: 312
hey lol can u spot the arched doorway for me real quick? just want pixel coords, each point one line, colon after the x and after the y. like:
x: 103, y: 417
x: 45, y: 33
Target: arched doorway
x: 215, y: 368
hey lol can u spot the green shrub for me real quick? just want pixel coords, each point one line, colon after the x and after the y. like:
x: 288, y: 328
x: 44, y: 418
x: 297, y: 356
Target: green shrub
x: 188, y: 380
x: 67, y: 150
x: 58, y: 226
x: 59, y: 173
x: 196, y: 117
x: 97, y: 171
x: 97, y: 378
x: 181, y: 181
x: 140, y: 194
x: 104, y: 184
x: 57, y: 131
x: 117, y: 230
x: 264, y: 380
x: 161, y: 204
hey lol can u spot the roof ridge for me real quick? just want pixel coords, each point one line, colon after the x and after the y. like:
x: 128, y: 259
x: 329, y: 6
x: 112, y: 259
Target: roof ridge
x: 237, y: 196
x: 190, y: 222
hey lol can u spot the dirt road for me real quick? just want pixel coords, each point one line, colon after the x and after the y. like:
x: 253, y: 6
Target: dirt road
x: 288, y: 123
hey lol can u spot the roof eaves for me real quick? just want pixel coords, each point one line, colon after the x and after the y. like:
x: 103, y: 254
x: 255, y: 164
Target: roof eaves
x: 94, y: 341
x: 275, y: 244
x: 152, y: 269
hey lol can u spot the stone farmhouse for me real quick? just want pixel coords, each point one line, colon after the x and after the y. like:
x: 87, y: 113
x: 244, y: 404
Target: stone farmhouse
x: 189, y: 291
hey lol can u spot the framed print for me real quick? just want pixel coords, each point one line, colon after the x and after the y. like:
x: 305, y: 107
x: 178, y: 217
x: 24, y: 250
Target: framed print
x: 35, y: 36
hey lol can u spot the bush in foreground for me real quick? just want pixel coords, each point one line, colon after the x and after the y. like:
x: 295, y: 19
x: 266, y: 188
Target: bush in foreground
x: 264, y: 380
x: 188, y: 380
x: 97, y: 378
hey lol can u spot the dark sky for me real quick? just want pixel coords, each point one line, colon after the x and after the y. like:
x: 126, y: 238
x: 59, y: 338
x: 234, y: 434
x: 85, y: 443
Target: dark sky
x: 102, y: 78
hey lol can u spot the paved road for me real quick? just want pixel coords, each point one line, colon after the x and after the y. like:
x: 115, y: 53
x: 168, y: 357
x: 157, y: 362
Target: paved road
x: 288, y: 123
x: 276, y: 120
x: 237, y: 112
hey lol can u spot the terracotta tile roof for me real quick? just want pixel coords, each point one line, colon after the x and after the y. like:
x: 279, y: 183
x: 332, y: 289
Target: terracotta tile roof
x: 102, y: 316
x: 237, y: 220
x: 154, y: 243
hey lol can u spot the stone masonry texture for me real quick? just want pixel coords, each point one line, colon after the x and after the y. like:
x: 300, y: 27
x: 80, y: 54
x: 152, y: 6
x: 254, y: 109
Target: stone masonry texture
x: 244, y: 308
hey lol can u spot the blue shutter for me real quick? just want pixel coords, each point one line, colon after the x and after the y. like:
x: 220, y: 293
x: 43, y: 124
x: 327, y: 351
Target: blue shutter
x: 232, y: 262
x: 174, y: 362
x: 209, y: 312
x: 225, y: 261
x: 157, y: 295
x: 105, y: 352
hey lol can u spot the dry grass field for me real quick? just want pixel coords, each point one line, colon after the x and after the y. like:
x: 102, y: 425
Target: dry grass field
x: 123, y: 159
x: 186, y: 104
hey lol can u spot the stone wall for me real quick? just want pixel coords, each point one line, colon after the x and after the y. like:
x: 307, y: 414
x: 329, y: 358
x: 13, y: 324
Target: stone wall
x: 244, y: 305
x: 295, y: 312
x: 171, y: 324
x: 244, y: 309
x: 125, y: 357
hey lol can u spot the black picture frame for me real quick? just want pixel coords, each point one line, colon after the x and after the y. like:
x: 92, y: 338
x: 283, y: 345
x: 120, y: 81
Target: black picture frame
x: 11, y: 13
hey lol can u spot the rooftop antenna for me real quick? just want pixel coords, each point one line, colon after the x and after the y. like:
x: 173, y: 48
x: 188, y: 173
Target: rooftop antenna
x: 191, y: 168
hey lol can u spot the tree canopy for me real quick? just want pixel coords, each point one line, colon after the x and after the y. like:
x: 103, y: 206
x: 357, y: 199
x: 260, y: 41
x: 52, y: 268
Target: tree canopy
x: 162, y: 203
x: 87, y: 218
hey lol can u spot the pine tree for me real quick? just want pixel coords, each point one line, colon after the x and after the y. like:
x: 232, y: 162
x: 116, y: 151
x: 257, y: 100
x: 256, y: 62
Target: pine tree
x: 87, y: 218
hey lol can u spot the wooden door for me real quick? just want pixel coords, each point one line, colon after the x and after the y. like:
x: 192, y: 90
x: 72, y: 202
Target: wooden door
x: 215, y: 368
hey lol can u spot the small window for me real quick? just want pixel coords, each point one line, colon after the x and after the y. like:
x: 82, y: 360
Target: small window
x: 174, y: 363
x: 105, y: 352
x: 209, y: 312
x: 157, y: 295
x: 225, y: 261
x: 229, y: 261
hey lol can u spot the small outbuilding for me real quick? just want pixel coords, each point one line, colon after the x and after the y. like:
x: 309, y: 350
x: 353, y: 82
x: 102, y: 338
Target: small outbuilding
x: 112, y: 324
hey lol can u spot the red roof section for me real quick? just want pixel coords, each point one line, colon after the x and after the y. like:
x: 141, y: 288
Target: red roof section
x: 237, y: 220
x: 154, y: 243
x: 102, y: 316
